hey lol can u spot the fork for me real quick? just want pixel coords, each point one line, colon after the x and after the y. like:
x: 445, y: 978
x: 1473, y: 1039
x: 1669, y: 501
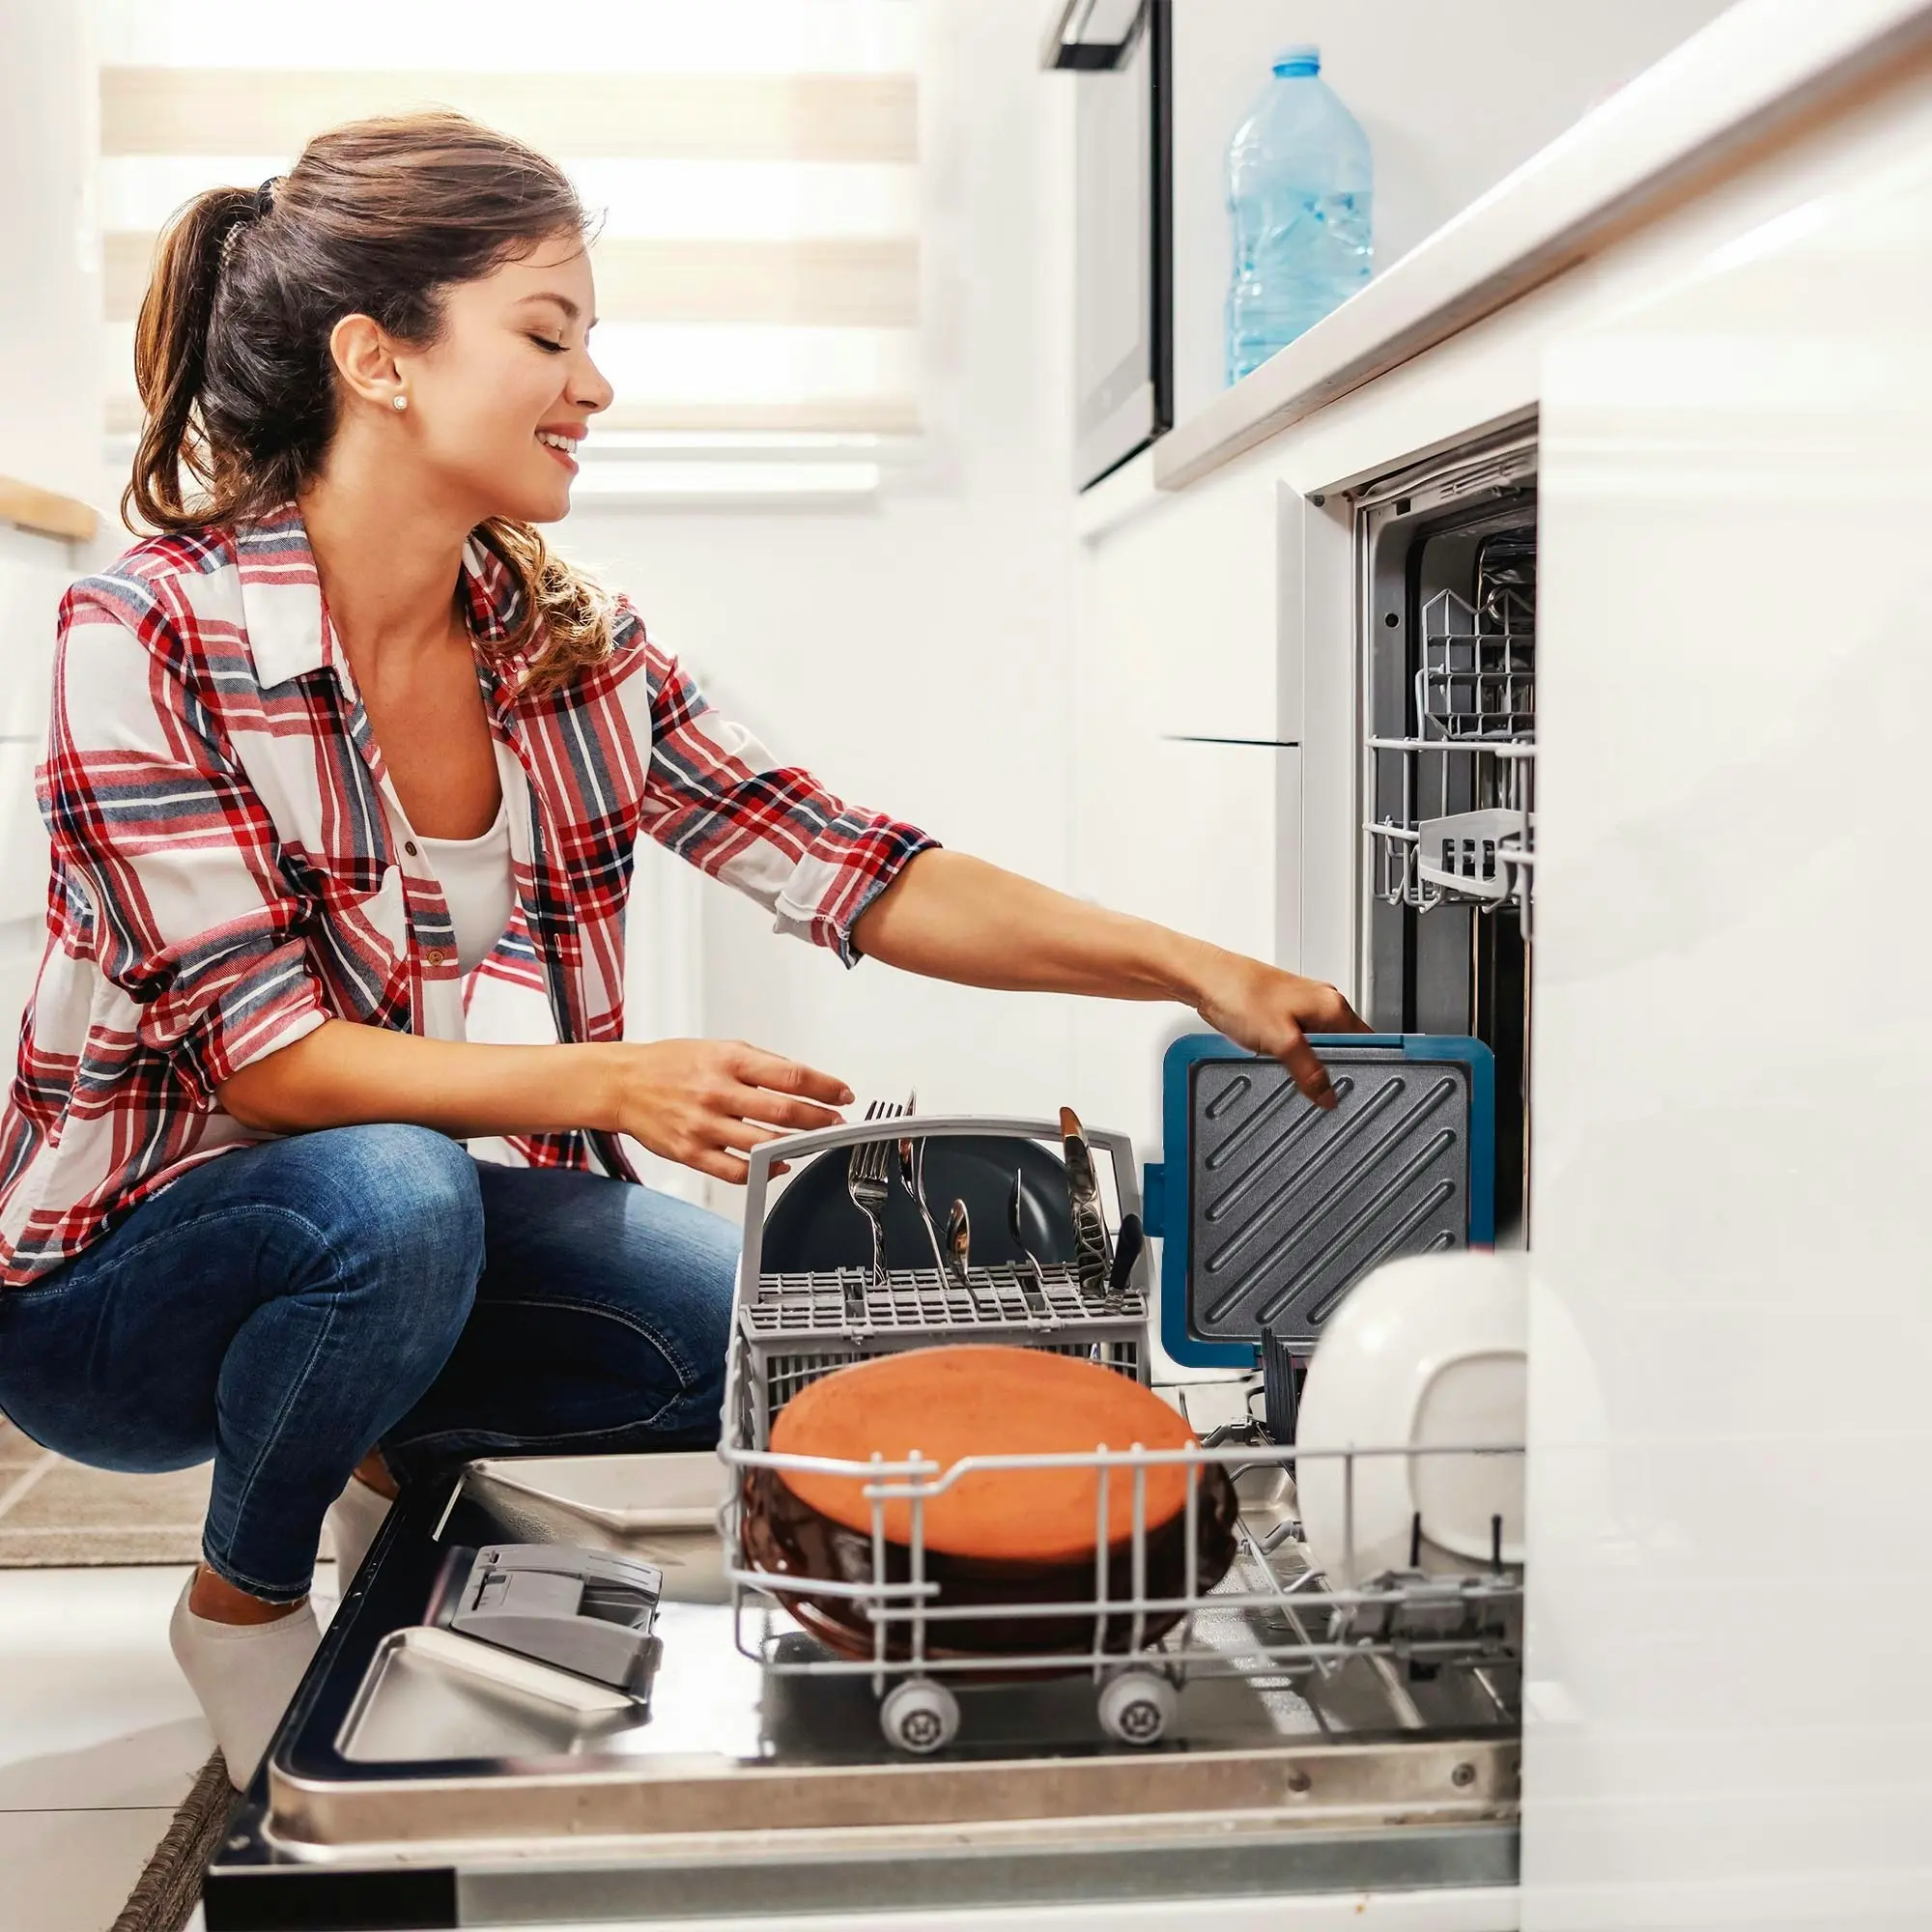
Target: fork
x: 868, y: 1172
x: 912, y: 1174
x: 1032, y: 1277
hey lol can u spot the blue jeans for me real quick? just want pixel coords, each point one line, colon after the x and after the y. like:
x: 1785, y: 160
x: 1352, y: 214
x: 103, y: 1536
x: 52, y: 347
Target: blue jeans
x: 288, y: 1307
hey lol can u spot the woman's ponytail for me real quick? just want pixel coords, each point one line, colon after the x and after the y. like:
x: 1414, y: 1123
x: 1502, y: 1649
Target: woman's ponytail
x: 171, y: 342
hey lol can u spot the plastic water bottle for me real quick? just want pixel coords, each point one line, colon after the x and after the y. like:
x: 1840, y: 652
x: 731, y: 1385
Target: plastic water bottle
x: 1300, y: 189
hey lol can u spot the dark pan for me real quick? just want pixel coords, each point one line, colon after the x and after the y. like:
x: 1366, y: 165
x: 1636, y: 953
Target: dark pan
x: 813, y: 1224
x: 787, y: 1536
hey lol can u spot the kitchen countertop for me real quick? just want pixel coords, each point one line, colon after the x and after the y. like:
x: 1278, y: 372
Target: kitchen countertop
x: 1752, y: 77
x: 46, y: 512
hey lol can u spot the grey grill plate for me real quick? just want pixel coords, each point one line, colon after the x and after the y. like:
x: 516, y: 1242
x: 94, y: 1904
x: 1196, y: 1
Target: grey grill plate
x: 1288, y: 1205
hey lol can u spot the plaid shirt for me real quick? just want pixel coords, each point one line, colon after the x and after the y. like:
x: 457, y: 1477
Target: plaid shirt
x: 231, y: 864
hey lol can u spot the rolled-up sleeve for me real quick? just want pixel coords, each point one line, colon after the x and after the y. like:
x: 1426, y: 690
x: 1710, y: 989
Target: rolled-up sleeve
x: 156, y: 826
x: 717, y: 798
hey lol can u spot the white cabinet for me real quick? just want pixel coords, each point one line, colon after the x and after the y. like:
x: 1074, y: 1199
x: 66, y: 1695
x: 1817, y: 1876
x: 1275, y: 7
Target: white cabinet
x: 24, y: 839
x: 1214, y: 747
x: 1188, y: 789
x: 1732, y: 1322
x: 1176, y: 613
x: 34, y: 573
x: 1191, y: 840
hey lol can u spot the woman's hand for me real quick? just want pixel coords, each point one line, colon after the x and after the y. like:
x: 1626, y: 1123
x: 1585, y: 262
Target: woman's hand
x: 706, y: 1103
x: 1272, y: 1012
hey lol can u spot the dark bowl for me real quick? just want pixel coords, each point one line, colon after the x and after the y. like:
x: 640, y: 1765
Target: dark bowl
x: 787, y: 1536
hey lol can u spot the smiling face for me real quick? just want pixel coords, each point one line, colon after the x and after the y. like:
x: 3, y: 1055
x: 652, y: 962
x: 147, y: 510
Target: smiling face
x: 499, y: 401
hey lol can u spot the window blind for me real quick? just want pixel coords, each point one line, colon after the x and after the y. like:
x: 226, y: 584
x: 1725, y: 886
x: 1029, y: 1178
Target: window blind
x: 754, y: 165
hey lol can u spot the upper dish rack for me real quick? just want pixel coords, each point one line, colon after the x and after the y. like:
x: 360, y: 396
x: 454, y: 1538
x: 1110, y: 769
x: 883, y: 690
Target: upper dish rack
x: 1454, y: 812
x: 794, y: 1326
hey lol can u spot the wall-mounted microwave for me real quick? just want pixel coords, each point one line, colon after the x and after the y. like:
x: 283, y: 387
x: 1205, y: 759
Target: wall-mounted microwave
x: 1121, y: 53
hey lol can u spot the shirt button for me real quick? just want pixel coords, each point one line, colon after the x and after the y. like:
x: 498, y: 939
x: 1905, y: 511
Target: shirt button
x: 410, y: 846
x: 434, y: 955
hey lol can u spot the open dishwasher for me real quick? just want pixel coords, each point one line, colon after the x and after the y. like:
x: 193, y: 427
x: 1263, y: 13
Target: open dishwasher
x: 565, y: 1690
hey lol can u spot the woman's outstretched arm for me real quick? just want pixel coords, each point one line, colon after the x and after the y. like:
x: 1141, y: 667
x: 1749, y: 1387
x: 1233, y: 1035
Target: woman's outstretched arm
x: 951, y: 917
x: 703, y: 1102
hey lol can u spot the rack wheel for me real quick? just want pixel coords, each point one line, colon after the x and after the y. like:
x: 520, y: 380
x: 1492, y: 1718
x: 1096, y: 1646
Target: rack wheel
x: 919, y: 1716
x: 1137, y: 1707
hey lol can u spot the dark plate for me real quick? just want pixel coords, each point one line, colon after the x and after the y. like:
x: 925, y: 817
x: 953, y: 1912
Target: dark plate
x: 813, y: 1224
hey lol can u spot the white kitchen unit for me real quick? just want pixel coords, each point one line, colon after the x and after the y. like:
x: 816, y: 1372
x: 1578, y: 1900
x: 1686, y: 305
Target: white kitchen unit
x: 1735, y: 1062
x: 1689, y: 344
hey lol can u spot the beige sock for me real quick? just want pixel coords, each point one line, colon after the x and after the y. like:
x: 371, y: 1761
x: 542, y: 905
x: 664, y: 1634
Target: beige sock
x: 350, y: 1527
x: 244, y: 1675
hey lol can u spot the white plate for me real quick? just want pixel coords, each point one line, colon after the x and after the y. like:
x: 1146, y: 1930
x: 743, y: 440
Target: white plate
x: 1429, y: 1351
x: 661, y: 1508
x: 684, y: 1490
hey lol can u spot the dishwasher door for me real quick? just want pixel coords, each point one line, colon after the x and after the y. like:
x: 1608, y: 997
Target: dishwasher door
x: 421, y: 1781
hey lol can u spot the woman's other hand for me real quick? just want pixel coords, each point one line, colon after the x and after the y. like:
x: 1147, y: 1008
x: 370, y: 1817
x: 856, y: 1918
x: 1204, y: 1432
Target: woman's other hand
x: 706, y: 1103
x: 1272, y: 1012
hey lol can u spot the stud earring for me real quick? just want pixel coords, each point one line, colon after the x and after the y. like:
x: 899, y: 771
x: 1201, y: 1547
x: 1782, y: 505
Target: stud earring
x: 399, y: 401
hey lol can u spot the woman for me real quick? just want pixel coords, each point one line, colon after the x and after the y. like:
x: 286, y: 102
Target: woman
x: 338, y: 749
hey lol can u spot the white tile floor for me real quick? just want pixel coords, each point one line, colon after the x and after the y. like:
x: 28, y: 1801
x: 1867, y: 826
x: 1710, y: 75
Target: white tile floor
x: 100, y: 1738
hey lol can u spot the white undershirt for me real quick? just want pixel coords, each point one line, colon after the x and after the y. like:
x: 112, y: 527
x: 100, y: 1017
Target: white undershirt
x: 474, y: 874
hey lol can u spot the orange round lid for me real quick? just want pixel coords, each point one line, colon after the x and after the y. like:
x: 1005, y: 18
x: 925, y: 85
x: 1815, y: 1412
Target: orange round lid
x: 950, y: 1402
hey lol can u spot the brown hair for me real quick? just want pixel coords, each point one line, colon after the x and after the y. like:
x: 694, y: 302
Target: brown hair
x: 231, y: 351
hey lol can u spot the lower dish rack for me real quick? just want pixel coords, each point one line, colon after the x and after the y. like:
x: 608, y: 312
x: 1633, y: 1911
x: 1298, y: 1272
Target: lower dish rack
x: 1405, y: 1651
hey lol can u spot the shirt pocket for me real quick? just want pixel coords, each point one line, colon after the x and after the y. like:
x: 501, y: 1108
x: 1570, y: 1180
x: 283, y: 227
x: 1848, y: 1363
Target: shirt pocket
x: 362, y: 940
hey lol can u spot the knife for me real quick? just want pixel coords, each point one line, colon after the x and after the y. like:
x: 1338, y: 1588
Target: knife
x: 1127, y: 1247
x: 1093, y: 1251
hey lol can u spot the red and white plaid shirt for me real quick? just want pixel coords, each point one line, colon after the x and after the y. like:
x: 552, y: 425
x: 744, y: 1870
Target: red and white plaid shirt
x: 231, y: 864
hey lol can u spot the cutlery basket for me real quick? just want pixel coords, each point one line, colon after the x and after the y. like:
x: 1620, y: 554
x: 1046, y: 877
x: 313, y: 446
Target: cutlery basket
x: 794, y: 1326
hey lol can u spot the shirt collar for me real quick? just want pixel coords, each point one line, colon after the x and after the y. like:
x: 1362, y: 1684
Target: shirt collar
x: 281, y: 601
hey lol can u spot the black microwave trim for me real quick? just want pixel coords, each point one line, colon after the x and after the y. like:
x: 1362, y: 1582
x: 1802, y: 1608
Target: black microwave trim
x: 1158, y: 384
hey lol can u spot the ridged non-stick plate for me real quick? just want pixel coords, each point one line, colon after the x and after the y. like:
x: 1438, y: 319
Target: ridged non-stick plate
x: 1275, y: 1208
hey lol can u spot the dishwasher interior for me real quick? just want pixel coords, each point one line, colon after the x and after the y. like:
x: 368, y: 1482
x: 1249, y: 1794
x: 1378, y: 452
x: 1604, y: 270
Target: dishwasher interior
x: 1446, y: 695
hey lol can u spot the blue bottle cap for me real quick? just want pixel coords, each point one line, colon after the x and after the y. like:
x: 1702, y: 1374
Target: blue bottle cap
x: 1298, y: 63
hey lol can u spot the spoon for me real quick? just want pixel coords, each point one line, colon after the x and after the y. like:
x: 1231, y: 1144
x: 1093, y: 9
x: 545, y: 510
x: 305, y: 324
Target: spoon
x: 959, y: 1239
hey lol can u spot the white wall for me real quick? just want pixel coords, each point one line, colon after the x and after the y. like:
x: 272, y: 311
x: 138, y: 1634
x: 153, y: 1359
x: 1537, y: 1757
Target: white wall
x: 1453, y: 94
x: 49, y: 419
x: 50, y: 286
x: 34, y: 572
x: 914, y: 652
